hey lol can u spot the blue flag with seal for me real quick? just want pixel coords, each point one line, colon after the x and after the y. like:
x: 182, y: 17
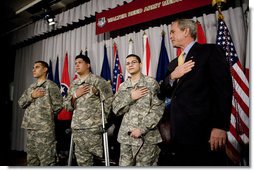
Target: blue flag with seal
x: 56, y: 79
x: 163, y: 65
x: 50, y: 73
x: 163, y: 61
x: 105, y: 71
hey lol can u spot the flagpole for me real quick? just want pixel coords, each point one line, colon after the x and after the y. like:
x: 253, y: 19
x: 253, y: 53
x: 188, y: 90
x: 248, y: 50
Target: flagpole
x: 130, y: 51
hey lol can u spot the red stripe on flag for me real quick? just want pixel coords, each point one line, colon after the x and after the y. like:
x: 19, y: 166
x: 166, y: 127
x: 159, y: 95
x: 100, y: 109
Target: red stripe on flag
x: 244, y: 127
x: 247, y: 73
x: 120, y: 68
x: 239, y: 81
x: 239, y: 101
x: 118, y: 82
x: 233, y: 132
x: 147, y: 56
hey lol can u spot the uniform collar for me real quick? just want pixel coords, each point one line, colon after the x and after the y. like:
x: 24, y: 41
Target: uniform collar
x: 140, y: 83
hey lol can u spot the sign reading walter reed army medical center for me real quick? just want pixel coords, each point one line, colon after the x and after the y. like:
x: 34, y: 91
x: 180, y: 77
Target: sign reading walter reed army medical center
x: 140, y: 11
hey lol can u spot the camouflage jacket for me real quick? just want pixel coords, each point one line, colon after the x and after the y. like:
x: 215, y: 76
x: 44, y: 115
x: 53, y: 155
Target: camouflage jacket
x: 87, y: 110
x: 39, y: 113
x: 144, y: 113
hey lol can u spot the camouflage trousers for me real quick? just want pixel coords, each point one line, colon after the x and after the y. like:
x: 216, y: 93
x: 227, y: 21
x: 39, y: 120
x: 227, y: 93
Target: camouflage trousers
x: 41, y: 148
x: 87, y: 143
x: 147, y: 156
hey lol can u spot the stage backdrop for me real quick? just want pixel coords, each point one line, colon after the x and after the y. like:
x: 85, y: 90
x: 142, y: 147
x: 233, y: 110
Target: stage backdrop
x: 85, y: 38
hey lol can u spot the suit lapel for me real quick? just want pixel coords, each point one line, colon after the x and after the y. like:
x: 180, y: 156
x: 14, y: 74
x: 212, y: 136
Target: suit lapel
x: 190, y: 56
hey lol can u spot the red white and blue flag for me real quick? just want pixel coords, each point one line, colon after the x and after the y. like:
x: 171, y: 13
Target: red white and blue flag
x: 65, y: 85
x: 238, y: 134
x: 117, y: 71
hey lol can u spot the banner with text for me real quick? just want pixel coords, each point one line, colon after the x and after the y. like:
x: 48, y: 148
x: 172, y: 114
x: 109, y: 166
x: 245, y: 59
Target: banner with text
x: 140, y: 11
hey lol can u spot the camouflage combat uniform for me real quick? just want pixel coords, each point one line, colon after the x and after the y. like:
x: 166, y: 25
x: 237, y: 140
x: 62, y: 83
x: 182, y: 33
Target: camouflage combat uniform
x: 86, y: 121
x: 39, y: 122
x: 144, y: 114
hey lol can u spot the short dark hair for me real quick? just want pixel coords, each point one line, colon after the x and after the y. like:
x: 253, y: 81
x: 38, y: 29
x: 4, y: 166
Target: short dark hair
x: 84, y: 57
x: 134, y: 55
x: 44, y: 64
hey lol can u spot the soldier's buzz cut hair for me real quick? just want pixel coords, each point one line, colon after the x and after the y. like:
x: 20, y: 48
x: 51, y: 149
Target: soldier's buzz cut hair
x: 136, y: 56
x: 84, y: 57
x: 44, y: 64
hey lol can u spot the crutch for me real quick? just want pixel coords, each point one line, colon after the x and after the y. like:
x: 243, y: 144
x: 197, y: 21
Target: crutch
x: 105, y: 136
x: 70, y: 151
x: 135, y: 156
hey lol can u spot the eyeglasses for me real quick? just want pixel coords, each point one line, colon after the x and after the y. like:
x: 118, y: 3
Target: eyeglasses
x: 131, y: 63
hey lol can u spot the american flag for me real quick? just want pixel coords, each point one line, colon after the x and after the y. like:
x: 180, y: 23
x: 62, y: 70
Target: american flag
x: 117, y: 71
x: 238, y: 134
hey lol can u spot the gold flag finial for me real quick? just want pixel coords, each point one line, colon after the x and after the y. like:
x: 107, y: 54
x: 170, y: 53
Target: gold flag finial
x: 163, y: 32
x: 218, y: 3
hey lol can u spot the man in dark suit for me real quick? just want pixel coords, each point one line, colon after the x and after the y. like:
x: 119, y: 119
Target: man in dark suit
x: 200, y: 89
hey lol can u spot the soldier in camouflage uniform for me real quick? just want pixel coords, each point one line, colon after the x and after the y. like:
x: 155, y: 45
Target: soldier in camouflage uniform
x: 41, y: 100
x: 84, y: 99
x: 137, y: 100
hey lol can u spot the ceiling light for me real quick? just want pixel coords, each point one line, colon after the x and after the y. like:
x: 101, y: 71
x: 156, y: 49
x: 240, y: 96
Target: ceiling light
x: 49, y: 17
x: 51, y: 20
x: 52, y: 23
